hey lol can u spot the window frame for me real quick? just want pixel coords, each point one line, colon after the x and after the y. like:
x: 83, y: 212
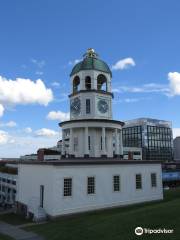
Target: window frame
x: 116, y: 184
x: 90, y: 186
x: 152, y: 183
x: 71, y: 189
x: 136, y: 181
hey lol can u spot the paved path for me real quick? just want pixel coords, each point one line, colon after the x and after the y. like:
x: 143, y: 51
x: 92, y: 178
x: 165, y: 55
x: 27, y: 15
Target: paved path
x: 17, y: 233
x: 2, y: 211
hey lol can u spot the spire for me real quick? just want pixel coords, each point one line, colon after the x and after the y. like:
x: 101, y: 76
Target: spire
x: 90, y: 53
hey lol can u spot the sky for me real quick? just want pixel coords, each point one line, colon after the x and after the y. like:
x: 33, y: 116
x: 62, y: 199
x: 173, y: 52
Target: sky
x: 41, y: 40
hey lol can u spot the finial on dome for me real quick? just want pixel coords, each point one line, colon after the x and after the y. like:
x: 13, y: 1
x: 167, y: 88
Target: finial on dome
x: 90, y: 53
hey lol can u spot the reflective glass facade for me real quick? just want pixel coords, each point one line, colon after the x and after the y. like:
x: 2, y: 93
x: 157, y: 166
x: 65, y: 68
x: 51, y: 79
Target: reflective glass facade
x: 132, y: 136
x: 153, y: 136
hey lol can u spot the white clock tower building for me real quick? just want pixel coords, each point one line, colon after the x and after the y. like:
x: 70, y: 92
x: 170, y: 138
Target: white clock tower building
x: 91, y: 132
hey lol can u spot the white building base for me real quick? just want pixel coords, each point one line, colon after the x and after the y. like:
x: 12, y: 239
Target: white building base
x: 51, y: 175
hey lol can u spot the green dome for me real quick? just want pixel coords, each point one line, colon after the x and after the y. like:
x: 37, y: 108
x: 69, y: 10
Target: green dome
x: 91, y: 62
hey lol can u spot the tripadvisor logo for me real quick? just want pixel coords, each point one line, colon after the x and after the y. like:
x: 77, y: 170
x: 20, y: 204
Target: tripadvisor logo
x: 139, y: 231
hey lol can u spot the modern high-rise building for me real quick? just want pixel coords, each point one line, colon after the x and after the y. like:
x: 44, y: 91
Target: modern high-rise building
x: 177, y: 149
x: 152, y: 135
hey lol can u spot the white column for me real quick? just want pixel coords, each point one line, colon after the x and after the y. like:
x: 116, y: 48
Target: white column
x: 121, y: 142
x: 103, y: 141
x: 116, y: 142
x: 86, y: 147
x: 94, y: 80
x: 63, y: 143
x: 108, y: 85
x: 109, y: 144
x: 82, y: 81
x: 71, y: 149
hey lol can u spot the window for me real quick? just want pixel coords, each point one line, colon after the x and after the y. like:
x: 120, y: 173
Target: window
x: 75, y: 144
x: 89, y: 142
x: 116, y: 183
x: 76, y: 84
x: 14, y: 182
x: 153, y: 180
x: 3, y: 188
x: 88, y: 106
x: 91, y: 185
x: 41, y: 196
x: 137, y: 153
x: 101, y: 82
x: 88, y: 83
x: 67, y: 187
x: 138, y: 181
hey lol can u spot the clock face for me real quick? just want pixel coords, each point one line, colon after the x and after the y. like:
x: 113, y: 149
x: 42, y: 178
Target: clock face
x: 76, y: 106
x: 102, y: 106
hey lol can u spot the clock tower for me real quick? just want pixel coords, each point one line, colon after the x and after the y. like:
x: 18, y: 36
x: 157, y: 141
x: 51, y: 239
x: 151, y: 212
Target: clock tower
x: 91, y: 132
x: 91, y: 95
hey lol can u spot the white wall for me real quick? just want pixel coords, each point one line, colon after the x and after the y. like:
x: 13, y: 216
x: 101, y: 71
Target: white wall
x: 32, y: 176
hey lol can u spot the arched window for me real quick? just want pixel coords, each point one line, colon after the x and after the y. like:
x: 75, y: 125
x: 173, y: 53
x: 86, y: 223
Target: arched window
x: 101, y: 82
x: 76, y: 84
x: 88, y: 83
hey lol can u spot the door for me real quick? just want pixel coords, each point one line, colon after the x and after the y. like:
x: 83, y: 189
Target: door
x: 41, y: 196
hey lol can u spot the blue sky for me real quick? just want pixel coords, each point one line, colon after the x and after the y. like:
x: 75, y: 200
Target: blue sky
x: 42, y: 39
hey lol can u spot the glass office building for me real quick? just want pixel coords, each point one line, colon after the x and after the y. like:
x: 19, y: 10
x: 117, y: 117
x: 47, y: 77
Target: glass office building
x: 152, y: 135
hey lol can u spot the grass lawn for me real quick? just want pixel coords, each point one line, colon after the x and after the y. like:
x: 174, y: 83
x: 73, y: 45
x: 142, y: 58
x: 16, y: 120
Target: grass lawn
x: 118, y: 223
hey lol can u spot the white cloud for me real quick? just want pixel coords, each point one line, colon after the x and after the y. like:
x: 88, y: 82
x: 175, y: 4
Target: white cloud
x: 174, y: 79
x: 38, y: 63
x: 176, y: 132
x: 75, y: 61
x: 124, y: 64
x: 61, y: 116
x: 4, y: 138
x: 39, y: 72
x: 45, y: 132
x: 28, y: 130
x: 9, y: 124
x: 1, y: 110
x: 23, y: 145
x: 130, y: 100
x: 24, y: 91
x: 55, y: 84
x: 145, y: 88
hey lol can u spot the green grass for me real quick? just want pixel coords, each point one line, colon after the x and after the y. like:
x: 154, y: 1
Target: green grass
x: 118, y: 223
x: 4, y: 237
x: 13, y: 219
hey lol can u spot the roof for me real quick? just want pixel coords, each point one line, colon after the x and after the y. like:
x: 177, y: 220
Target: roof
x: 89, y: 161
x: 148, y: 121
x: 92, y: 120
x: 91, y: 62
